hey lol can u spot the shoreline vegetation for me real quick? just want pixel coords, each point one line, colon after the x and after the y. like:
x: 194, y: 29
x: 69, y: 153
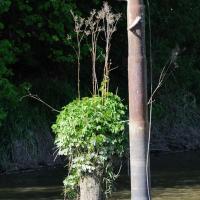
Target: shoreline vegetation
x: 154, y: 152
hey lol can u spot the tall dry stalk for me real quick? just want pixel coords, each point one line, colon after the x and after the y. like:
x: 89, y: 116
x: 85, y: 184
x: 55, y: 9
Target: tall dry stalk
x: 103, y: 21
x: 109, y: 27
x: 79, y: 28
x: 94, y: 30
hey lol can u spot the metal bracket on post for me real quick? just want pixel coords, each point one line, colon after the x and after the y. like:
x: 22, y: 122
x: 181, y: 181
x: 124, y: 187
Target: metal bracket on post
x: 135, y: 23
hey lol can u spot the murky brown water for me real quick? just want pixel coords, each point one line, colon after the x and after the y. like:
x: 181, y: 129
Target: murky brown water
x: 174, y: 177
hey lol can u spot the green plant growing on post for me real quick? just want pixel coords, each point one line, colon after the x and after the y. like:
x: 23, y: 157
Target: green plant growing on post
x: 90, y: 130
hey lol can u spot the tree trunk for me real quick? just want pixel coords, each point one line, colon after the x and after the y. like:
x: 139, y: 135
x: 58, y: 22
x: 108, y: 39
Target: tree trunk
x: 90, y: 189
x: 138, y: 117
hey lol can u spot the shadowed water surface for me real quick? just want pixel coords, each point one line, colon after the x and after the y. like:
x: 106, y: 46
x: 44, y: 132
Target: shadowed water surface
x: 174, y: 177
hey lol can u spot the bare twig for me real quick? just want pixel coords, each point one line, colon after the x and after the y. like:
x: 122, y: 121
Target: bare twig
x: 113, y: 68
x: 40, y: 100
x: 165, y: 71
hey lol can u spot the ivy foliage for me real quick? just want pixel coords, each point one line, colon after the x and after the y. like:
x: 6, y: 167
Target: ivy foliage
x: 90, y: 132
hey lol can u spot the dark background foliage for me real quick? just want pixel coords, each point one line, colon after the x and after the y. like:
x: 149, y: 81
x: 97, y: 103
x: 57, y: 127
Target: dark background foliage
x: 36, y: 55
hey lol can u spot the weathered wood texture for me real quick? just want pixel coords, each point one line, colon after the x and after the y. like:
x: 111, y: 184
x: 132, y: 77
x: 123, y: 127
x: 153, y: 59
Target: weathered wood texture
x: 138, y: 116
x: 90, y: 189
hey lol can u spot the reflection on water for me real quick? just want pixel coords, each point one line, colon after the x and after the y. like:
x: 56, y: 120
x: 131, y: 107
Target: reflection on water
x: 169, y: 186
x: 31, y: 193
x: 174, y: 177
x: 45, y: 184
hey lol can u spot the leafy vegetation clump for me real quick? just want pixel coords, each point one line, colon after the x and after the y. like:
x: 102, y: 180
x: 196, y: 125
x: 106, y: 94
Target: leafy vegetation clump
x: 90, y: 132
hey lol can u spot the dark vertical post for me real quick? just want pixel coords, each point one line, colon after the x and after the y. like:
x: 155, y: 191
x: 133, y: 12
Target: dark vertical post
x: 138, y: 117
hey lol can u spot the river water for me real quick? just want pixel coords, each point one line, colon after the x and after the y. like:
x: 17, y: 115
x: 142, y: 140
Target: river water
x: 174, y: 177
